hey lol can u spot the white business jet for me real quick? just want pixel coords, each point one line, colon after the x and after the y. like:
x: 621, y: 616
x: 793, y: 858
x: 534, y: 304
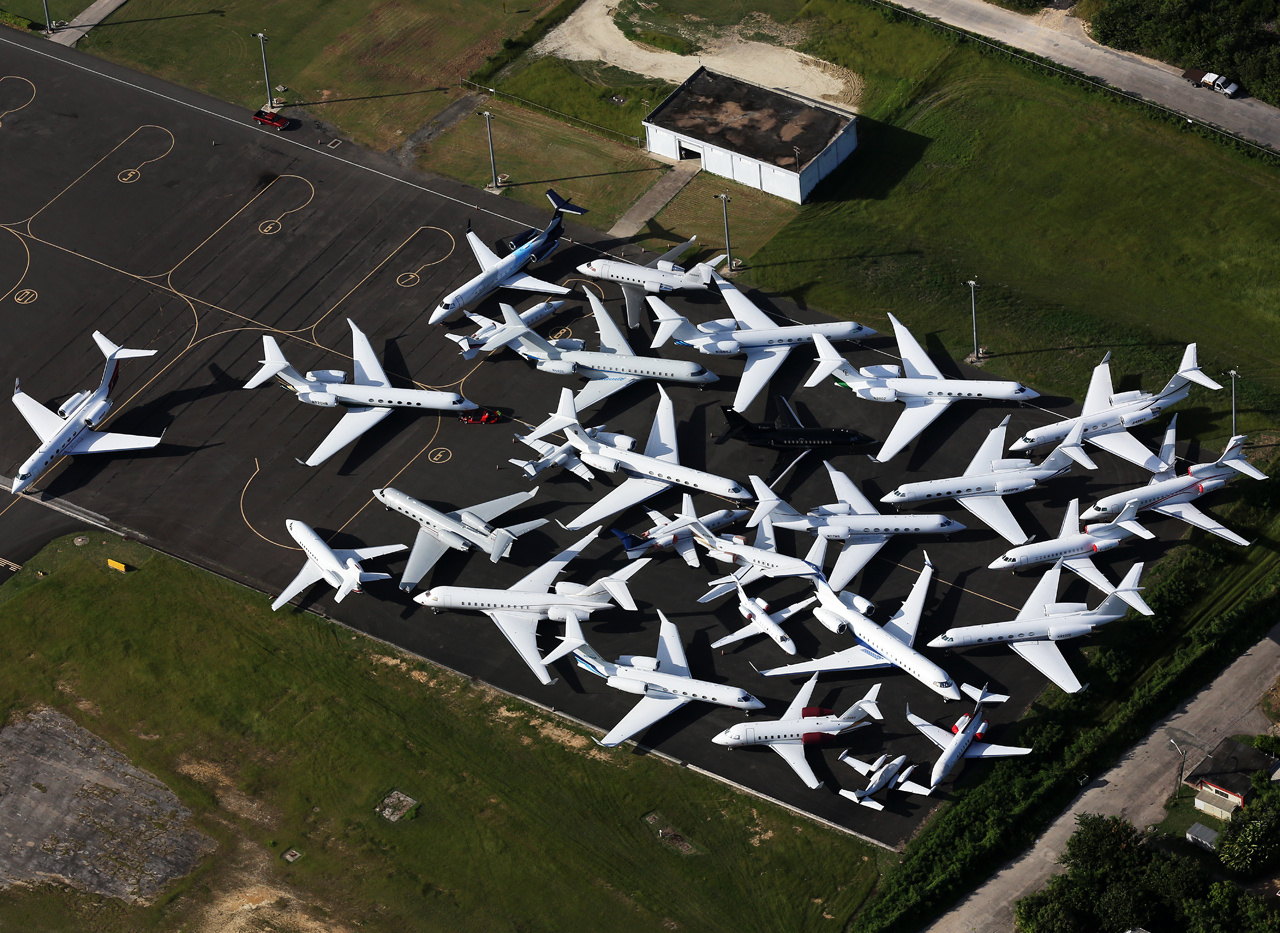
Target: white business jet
x: 757, y: 560
x: 964, y: 739
x: 508, y: 272
x: 518, y: 610
x: 608, y: 370
x: 851, y: 519
x: 1075, y: 549
x: 884, y: 774
x: 677, y: 532
x: 890, y: 646
x: 663, y: 683
x: 339, y: 567
x: 368, y: 398
x: 989, y: 477
x: 1107, y: 415
x: 647, y: 473
x: 749, y: 331
x: 659, y: 276
x: 1172, y: 495
x: 917, y: 383
x: 463, y: 530
x: 760, y: 621
x: 1042, y: 623
x: 473, y: 344
x: 802, y: 725
x: 69, y: 431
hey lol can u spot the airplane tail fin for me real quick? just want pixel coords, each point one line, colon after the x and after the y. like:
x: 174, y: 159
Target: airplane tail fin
x: 633, y: 545
x: 1234, y: 458
x: 1128, y: 520
x: 565, y: 415
x: 737, y: 423
x: 867, y: 704
x: 1070, y: 447
x: 113, y: 352
x: 500, y: 544
x: 511, y: 329
x: 562, y: 206
x: 352, y: 577
x: 589, y: 659
x: 768, y: 504
x: 818, y: 551
x: 670, y: 324
x: 980, y: 696
x: 1188, y: 371
x: 615, y: 584
x: 686, y: 508
x: 1128, y: 593
x: 273, y: 363
x: 828, y: 362
x: 572, y: 640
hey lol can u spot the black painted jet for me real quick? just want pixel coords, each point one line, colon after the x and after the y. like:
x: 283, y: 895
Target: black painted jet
x: 788, y: 437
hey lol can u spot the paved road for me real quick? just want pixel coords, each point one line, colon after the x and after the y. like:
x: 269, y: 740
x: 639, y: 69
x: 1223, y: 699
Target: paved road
x: 1136, y: 788
x: 1154, y: 81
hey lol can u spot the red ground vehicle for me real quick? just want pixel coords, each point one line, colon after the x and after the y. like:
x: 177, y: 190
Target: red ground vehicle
x: 268, y: 118
x: 480, y: 416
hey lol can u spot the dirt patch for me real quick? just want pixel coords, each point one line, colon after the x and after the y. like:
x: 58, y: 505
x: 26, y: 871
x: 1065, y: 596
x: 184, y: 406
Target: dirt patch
x: 229, y: 797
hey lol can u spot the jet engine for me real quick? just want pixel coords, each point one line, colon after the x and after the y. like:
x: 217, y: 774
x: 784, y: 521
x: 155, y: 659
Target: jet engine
x: 597, y: 462
x: 831, y: 621
x: 665, y: 265
x: 639, y: 662
x: 1210, y: 485
x: 960, y: 724
x: 877, y: 394
x: 1063, y: 632
x: 721, y: 347
x: 568, y: 343
x: 557, y: 367
x: 626, y: 684
x: 858, y: 603
x: 70, y: 404
x: 1104, y: 544
x: 474, y: 521
x: 815, y: 738
x: 94, y: 414
x: 320, y: 399
x: 1006, y: 486
x: 327, y: 376
x: 1135, y: 418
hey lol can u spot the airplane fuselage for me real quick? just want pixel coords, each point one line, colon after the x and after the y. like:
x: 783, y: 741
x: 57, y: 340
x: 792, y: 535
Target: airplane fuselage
x: 955, y: 751
x: 769, y: 562
x: 659, y: 683
x: 654, y: 281
x: 640, y: 464
x: 1199, y: 479
x: 1063, y: 625
x: 892, y: 389
x: 47, y: 453
x: 448, y: 530
x: 596, y: 365
x: 728, y: 337
x: 317, y: 551
x: 1082, y: 544
x: 901, y: 655
x: 844, y: 526
x: 331, y: 394
x: 801, y: 438
x: 1127, y: 415
x: 997, y: 483
x: 489, y: 280
x: 808, y: 730
x: 477, y: 599
x: 666, y: 535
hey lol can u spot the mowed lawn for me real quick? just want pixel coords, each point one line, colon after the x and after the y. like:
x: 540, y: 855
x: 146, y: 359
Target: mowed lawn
x: 379, y: 69
x: 34, y: 10
x: 537, y: 152
x: 524, y: 823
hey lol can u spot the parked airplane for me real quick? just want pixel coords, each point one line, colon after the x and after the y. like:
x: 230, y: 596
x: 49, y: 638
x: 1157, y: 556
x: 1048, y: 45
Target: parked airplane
x: 647, y: 473
x: 788, y: 437
x: 761, y: 622
x: 884, y: 774
x: 749, y: 331
x: 760, y: 559
x: 659, y: 276
x: 890, y: 646
x: 486, y: 327
x: 1042, y: 622
x: 677, y: 532
x: 463, y: 530
x: 339, y: 567
x: 664, y: 684
x: 368, y: 398
x: 507, y: 272
x: 1107, y: 414
x: 918, y: 383
x: 989, y: 478
x: 964, y: 739
x: 1172, y: 495
x: 802, y: 725
x: 69, y: 431
x: 610, y: 369
x: 518, y: 610
x: 1075, y: 549
x: 851, y: 519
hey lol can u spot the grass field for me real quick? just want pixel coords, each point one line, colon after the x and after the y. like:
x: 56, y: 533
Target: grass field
x: 538, y: 152
x: 524, y: 824
x: 34, y: 9
x: 378, y: 69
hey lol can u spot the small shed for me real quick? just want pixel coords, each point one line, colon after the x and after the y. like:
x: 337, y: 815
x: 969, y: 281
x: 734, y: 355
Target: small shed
x: 1203, y: 836
x: 764, y: 138
x: 1225, y: 778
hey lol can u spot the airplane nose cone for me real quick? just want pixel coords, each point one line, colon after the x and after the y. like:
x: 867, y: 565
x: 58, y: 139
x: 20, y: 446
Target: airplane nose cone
x: 587, y: 268
x: 1028, y: 393
x: 997, y: 564
x: 754, y: 704
x: 889, y: 496
x: 1089, y: 513
x: 438, y: 315
x: 953, y: 693
x: 726, y: 738
x: 937, y: 643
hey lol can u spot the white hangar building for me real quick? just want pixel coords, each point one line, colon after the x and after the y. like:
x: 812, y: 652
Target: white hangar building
x: 763, y: 138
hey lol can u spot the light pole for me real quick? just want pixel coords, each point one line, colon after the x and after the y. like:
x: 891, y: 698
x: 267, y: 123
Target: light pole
x: 493, y: 165
x: 266, y: 75
x: 973, y: 310
x: 1181, y: 766
x: 728, y: 251
x: 48, y: 23
x: 1233, y: 375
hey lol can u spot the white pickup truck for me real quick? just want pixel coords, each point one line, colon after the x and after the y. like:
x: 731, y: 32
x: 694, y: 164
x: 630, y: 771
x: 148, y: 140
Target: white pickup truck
x: 1224, y: 86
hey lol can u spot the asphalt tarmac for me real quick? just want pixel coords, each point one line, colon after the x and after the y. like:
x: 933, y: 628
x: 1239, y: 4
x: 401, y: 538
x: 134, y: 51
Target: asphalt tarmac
x: 171, y: 221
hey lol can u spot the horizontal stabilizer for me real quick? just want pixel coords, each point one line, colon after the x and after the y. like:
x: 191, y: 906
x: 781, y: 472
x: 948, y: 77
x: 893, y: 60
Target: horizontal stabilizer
x: 829, y: 360
x: 981, y: 696
x: 113, y: 352
x: 562, y: 206
x: 857, y: 797
x: 273, y: 362
x: 1190, y: 369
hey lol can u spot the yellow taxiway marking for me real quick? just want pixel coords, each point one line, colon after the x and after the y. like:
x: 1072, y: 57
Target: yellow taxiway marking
x: 256, y: 468
x: 5, y: 113
x: 395, y: 476
x: 25, y: 269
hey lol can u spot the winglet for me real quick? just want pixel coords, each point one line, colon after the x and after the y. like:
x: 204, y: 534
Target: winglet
x: 1232, y: 457
x: 17, y: 387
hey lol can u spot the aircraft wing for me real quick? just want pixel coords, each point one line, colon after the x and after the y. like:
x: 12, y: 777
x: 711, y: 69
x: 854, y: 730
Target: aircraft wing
x: 485, y: 256
x: 994, y: 513
x: 644, y: 714
x: 992, y: 449
x: 1045, y: 656
x: 670, y: 651
x: 802, y: 699
x: 674, y: 253
x: 794, y: 756
x: 1127, y: 447
x: 309, y: 574
x: 599, y: 388
x: 938, y: 736
x: 915, y: 362
x: 1046, y: 592
x: 427, y: 549
x: 687, y: 549
x: 634, y: 295
x: 847, y: 491
x: 367, y: 553
x: 1193, y: 516
x: 918, y: 415
x: 353, y: 423
x: 521, y: 629
x: 857, y: 658
x: 987, y: 750
x: 43, y: 421
x: 662, y: 436
x: 633, y: 491
x: 1083, y: 567
x: 488, y: 511
x: 853, y: 557
x: 762, y: 363
x: 744, y: 312
x: 611, y: 338
x: 368, y: 370
x: 527, y: 283
x: 540, y: 580
x: 95, y: 442
x: 906, y: 621
x: 1098, y: 398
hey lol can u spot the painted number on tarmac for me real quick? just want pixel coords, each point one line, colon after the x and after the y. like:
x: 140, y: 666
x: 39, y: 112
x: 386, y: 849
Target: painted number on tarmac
x: 562, y: 333
x: 26, y: 296
x: 269, y: 227
x: 129, y: 176
x: 439, y: 454
x: 407, y: 279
